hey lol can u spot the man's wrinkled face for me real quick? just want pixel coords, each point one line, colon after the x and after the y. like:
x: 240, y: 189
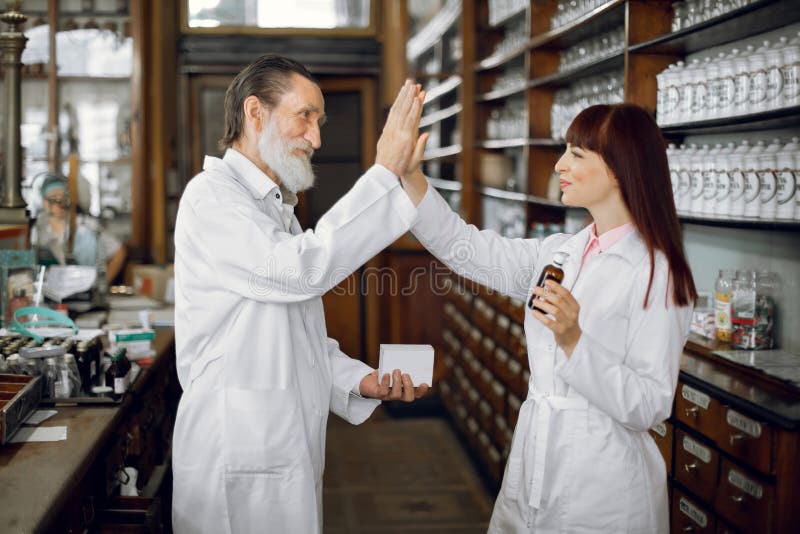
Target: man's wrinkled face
x: 292, y: 133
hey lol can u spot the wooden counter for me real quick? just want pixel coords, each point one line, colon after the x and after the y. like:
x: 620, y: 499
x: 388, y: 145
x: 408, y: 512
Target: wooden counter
x: 43, y: 486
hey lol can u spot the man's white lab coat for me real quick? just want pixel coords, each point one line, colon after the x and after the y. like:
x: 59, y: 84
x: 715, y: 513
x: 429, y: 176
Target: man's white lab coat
x: 258, y: 371
x: 581, y: 459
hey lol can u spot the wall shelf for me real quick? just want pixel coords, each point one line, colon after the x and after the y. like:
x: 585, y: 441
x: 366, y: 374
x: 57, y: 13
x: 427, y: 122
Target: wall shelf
x: 438, y: 116
x: 493, y: 144
x: 522, y: 197
x: 499, y: 60
x: 441, y: 153
x: 776, y: 118
x: 508, y: 16
x: 566, y: 77
x: 447, y: 185
x: 751, y: 224
x: 601, y: 19
x: 443, y: 88
x: 499, y: 94
x: 434, y: 30
x: 755, y: 18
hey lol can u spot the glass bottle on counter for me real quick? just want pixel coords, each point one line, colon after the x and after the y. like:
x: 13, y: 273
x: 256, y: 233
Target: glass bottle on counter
x: 553, y: 271
x: 51, y: 379
x: 753, y: 310
x: 117, y: 374
x: 723, y: 295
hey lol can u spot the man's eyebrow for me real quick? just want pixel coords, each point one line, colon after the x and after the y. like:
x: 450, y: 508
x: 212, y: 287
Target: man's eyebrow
x: 314, y: 109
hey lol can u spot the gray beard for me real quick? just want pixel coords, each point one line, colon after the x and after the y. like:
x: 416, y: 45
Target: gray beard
x: 295, y: 172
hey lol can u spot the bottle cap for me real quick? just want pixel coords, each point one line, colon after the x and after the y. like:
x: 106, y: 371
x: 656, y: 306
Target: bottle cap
x: 102, y: 391
x: 559, y: 258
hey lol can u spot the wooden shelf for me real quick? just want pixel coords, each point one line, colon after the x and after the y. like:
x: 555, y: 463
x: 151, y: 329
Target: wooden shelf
x: 433, y: 75
x: 776, y: 118
x: 94, y: 78
x: 438, y: 116
x: 499, y: 60
x: 601, y: 19
x: 443, y: 152
x: 434, y: 30
x: 447, y: 185
x: 566, y: 77
x: 443, y: 88
x: 505, y: 19
x: 752, y: 224
x: 493, y: 144
x: 522, y: 197
x: 752, y: 19
x: 499, y: 94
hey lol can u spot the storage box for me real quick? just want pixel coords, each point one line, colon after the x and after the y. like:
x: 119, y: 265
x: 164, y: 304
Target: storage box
x: 19, y: 396
x: 152, y: 280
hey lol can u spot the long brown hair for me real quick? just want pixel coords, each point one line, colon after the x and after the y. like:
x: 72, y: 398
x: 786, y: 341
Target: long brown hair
x: 630, y: 143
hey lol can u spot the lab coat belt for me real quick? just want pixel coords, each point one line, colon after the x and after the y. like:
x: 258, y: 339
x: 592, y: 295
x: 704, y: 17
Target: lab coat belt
x: 536, y: 456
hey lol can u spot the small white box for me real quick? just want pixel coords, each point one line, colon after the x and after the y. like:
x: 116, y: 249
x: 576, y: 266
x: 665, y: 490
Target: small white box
x: 414, y: 360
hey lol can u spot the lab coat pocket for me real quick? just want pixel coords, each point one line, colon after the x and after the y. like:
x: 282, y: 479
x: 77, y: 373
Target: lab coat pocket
x: 260, y: 431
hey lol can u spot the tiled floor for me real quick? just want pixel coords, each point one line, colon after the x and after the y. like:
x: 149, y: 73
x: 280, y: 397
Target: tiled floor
x: 401, y: 475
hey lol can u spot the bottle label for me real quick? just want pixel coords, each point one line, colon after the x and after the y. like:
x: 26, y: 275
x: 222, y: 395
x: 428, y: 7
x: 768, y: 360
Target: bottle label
x: 695, y: 449
x: 676, y: 182
x: 751, y: 186
x: 774, y: 83
x: 119, y: 386
x: 786, y: 186
x: 758, y: 87
x: 791, y: 80
x: 722, y: 311
x: 685, y: 182
x: 767, y: 186
x: 742, y: 89
x: 695, y: 397
x: 694, y: 513
x: 737, y: 185
x: 697, y: 184
x: 709, y: 185
x: 723, y: 185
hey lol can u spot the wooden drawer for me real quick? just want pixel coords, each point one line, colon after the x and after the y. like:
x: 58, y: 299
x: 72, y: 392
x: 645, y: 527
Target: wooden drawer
x: 689, y: 516
x: 517, y: 310
x: 495, y: 460
x: 501, y: 365
x: 744, y: 498
x: 515, y: 336
x: 485, y: 416
x: 662, y: 435
x: 473, y: 398
x: 724, y: 528
x: 747, y: 439
x: 487, y: 353
x: 514, y: 404
x: 696, y: 465
x: 502, y: 331
x: 500, y: 436
x: 498, y: 398
x: 485, y: 388
x: 473, y: 342
x: 514, y: 376
x: 697, y: 409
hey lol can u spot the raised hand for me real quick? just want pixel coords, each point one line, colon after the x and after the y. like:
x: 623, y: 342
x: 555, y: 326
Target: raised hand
x: 399, y: 138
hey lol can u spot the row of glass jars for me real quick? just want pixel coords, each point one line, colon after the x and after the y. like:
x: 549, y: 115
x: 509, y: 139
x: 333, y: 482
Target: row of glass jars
x: 592, y: 49
x: 687, y: 14
x: 744, y: 308
x: 757, y: 180
x: 500, y: 9
x: 509, y: 122
x: 570, y: 10
x: 568, y: 102
x: 738, y: 82
x: 516, y: 35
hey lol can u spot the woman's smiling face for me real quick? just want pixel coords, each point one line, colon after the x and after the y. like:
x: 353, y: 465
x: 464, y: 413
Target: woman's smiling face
x: 584, y: 178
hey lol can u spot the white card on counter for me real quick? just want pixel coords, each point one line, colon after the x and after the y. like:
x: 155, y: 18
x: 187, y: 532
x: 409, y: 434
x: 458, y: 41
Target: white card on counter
x: 38, y: 416
x: 414, y: 360
x: 39, y: 433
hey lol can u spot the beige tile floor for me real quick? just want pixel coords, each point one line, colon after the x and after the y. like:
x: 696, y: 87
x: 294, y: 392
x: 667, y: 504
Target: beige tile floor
x: 401, y: 475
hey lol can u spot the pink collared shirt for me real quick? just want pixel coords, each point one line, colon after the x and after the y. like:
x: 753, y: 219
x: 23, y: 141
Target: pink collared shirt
x: 598, y: 244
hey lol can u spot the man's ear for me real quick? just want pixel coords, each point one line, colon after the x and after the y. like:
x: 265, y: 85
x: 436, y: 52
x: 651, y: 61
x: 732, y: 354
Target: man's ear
x: 255, y: 114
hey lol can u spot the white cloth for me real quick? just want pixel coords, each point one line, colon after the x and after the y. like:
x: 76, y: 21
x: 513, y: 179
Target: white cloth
x: 581, y: 459
x: 258, y: 371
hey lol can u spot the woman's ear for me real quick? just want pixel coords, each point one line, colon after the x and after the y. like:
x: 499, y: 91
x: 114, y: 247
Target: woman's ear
x: 255, y: 114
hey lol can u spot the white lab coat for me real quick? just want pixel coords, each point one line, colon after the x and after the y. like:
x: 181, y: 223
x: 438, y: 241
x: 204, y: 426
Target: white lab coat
x: 258, y: 371
x: 581, y: 459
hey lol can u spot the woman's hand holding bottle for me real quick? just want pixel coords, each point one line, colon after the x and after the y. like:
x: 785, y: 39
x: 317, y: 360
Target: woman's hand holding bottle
x: 561, y: 314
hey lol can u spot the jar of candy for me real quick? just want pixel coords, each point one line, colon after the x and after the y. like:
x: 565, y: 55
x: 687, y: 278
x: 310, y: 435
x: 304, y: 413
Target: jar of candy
x: 723, y: 294
x: 753, y: 314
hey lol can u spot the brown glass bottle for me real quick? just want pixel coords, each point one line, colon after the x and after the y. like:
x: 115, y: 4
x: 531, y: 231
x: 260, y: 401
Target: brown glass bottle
x: 553, y: 272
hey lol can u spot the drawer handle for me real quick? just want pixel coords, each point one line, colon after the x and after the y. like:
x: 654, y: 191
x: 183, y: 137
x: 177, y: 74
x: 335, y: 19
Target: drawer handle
x: 738, y: 499
x: 736, y: 437
x: 690, y: 467
x: 691, y: 412
x: 690, y: 528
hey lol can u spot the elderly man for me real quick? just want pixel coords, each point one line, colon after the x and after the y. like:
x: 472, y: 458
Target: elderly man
x: 258, y: 371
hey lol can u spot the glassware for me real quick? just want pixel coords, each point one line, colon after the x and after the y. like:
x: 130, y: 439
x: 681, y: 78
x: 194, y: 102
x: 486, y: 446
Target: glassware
x: 723, y: 297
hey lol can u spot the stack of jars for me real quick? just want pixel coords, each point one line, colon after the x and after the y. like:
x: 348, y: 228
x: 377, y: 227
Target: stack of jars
x: 757, y: 180
x: 739, y: 82
x: 515, y: 36
x: 508, y: 123
x: 501, y: 9
x: 687, y: 14
x: 744, y: 308
x: 570, y: 10
x: 568, y: 102
x: 592, y: 49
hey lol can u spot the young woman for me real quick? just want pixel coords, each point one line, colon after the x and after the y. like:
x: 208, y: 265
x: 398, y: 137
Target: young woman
x: 604, y: 356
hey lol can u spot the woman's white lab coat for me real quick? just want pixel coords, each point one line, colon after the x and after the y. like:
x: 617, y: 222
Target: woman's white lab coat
x: 258, y: 371
x: 581, y: 459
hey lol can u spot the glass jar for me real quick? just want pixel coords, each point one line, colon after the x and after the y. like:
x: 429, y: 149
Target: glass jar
x: 754, y: 310
x: 723, y: 295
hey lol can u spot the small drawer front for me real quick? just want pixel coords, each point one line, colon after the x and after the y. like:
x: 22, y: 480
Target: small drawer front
x: 744, y: 498
x: 696, y: 465
x: 514, y: 405
x: 662, y: 435
x: 724, y: 528
x: 697, y: 409
x: 748, y: 439
x: 689, y: 516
